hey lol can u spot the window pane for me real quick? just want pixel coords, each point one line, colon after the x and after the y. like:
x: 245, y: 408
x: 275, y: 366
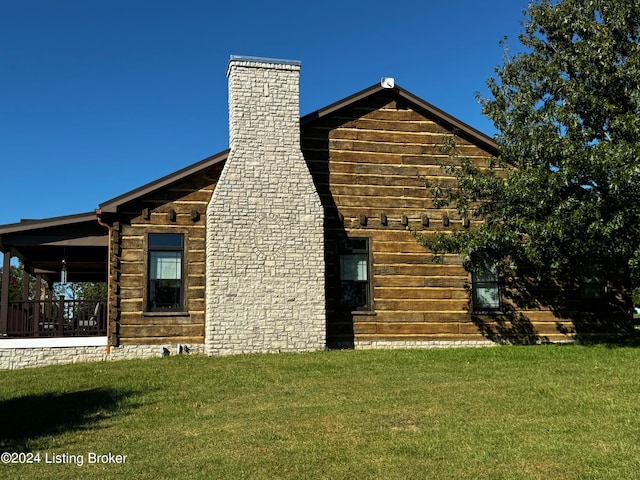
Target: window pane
x: 166, y: 265
x: 165, y: 275
x: 157, y: 240
x: 354, y: 274
x: 165, y: 293
x: 358, y: 243
x: 487, y: 297
x: 349, y: 245
x: 593, y: 291
x: 353, y: 295
x: 486, y: 273
x: 593, y: 283
x: 354, y: 267
x: 486, y: 286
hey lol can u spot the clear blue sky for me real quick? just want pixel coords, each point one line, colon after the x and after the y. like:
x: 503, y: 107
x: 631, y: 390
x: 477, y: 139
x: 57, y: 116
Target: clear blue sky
x: 98, y: 97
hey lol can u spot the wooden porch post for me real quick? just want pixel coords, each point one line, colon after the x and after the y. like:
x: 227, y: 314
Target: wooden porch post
x: 61, y: 316
x: 25, y: 284
x: 4, y: 296
x: 36, y: 305
x: 26, y: 310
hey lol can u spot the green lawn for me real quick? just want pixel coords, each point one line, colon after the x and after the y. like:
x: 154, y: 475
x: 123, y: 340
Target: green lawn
x: 547, y: 412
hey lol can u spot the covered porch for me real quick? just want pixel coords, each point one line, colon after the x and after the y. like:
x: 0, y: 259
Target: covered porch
x: 62, y: 251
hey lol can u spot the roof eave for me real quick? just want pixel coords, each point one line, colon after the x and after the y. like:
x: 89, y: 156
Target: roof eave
x: 441, y: 116
x: 454, y: 123
x: 28, y: 225
x: 345, y: 102
x: 111, y: 206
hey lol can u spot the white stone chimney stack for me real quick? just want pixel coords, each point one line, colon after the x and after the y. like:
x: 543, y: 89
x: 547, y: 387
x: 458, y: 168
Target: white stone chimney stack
x: 264, y: 100
x: 265, y: 241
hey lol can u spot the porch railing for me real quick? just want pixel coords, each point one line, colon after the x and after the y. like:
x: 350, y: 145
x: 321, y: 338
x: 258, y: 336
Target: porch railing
x: 57, y: 318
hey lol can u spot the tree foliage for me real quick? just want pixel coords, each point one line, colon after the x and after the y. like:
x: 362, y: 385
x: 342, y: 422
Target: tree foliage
x: 564, y: 191
x: 15, y: 282
x: 89, y: 291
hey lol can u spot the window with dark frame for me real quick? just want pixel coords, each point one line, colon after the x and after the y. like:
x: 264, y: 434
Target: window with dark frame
x: 165, y: 274
x: 485, y: 281
x: 593, y: 285
x: 355, y: 286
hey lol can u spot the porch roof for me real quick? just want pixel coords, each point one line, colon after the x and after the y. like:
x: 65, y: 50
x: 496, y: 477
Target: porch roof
x: 42, y: 244
x: 83, y: 241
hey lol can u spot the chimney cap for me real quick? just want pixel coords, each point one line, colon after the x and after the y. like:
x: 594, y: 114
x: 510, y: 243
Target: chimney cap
x: 243, y: 58
x: 260, y: 62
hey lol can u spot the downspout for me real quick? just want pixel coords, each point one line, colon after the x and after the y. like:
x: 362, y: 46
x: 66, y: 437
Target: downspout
x: 108, y: 227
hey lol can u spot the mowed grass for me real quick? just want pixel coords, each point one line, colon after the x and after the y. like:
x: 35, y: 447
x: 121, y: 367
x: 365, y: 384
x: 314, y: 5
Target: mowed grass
x: 497, y: 413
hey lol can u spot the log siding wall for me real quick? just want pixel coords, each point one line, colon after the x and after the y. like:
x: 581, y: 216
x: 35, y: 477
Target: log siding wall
x: 179, y: 209
x: 370, y: 163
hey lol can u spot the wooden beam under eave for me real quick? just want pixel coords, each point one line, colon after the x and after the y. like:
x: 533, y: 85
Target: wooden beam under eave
x: 88, y: 241
x: 4, y: 295
x: 25, y: 284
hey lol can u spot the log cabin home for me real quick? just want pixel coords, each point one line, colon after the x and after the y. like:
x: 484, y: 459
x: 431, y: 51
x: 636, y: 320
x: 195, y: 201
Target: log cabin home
x: 298, y: 238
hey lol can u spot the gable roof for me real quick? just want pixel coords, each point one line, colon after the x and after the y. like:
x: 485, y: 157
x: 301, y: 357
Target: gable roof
x: 398, y: 93
x: 111, y: 206
x: 439, y: 116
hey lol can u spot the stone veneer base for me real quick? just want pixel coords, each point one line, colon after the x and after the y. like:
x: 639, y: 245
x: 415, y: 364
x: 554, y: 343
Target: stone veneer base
x: 26, y: 353
x: 430, y: 344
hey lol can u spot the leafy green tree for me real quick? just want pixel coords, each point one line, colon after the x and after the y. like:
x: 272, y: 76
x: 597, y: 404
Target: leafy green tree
x: 15, y: 283
x: 564, y: 191
x: 88, y: 295
x: 89, y: 291
x: 16, y: 274
x: 94, y: 291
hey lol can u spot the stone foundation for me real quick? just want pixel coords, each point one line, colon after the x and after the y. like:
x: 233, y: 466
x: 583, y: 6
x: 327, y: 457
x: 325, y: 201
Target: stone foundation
x: 43, y: 352
x: 17, y: 358
x: 130, y: 352
x: 431, y: 344
x: 24, y: 356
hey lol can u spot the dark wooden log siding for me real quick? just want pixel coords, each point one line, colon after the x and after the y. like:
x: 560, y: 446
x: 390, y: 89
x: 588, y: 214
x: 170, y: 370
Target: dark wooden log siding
x: 133, y: 325
x: 371, y: 160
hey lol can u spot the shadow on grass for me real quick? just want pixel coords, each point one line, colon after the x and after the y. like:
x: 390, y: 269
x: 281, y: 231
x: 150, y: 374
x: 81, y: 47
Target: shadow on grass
x: 26, y: 419
x: 631, y: 340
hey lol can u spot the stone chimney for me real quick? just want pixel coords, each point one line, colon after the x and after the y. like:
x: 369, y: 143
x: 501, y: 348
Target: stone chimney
x: 265, y: 244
